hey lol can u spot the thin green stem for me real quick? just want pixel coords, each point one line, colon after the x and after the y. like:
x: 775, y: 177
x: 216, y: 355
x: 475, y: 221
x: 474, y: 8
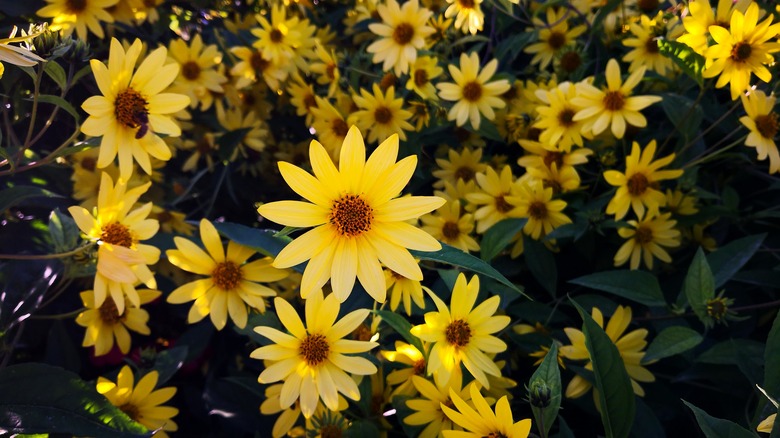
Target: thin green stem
x: 46, y: 256
x: 67, y: 315
x: 34, y: 111
x: 706, y: 158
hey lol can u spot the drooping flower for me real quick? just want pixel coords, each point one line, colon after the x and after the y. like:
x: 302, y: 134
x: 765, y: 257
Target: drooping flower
x: 78, y: 15
x: 761, y: 120
x: 473, y: 92
x: 121, y: 259
x: 468, y: 15
x: 636, y: 187
x: 357, y: 223
x: 313, y: 360
x: 17, y: 55
x: 132, y: 109
x: 141, y: 402
x: 231, y: 285
x: 434, y: 395
x: 646, y: 239
x: 614, y: 106
x: 402, y: 33
x: 482, y: 421
x: 105, y: 325
x: 629, y: 345
x: 463, y: 333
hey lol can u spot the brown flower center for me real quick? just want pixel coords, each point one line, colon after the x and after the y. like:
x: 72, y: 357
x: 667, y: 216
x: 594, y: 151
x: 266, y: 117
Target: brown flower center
x: 647, y: 6
x: 767, y: 125
x: 637, y: 184
x: 472, y: 91
x: 450, y: 230
x: 131, y: 410
x: 351, y: 215
x: 466, y: 4
x: 458, y: 333
x: 276, y: 35
x: 258, y: 63
x: 383, y: 115
x: 331, y: 431
x: 330, y: 71
x: 566, y: 117
x: 553, y: 157
x: 651, y: 46
x: 537, y: 210
x: 387, y: 81
x: 130, y: 108
x: 643, y: 235
x: 227, y: 275
x: 465, y: 173
x: 495, y: 435
x: 314, y: 349
x: 571, y: 61
x: 403, y: 33
x: 309, y: 101
x: 117, y: 234
x: 109, y: 313
x: 717, y: 308
x: 614, y: 100
x: 89, y: 163
x: 556, y: 40
x: 419, y: 367
x: 501, y: 204
x: 75, y: 6
x: 420, y: 77
x: 741, y: 52
x: 363, y: 332
x: 190, y: 70
x: 339, y: 127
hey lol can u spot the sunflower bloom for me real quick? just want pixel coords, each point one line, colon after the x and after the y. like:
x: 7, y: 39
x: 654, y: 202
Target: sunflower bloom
x: 141, y: 402
x: 434, y: 395
x: 451, y: 225
x: 357, y: 222
x: 105, y: 325
x: 459, y: 166
x: 284, y: 41
x: 613, y: 107
x: 636, y: 187
x: 288, y: 416
x: 701, y: 16
x: 761, y: 120
x: 645, y: 52
x: 544, y: 214
x: 472, y: 92
x: 491, y: 199
x: 482, y: 421
x: 742, y: 50
x: 80, y: 15
x: 556, y: 118
x: 312, y: 360
x: 132, y: 110
x: 381, y: 114
x: 629, y: 345
x: 424, y: 69
x: 403, y: 289
x: 198, y: 78
x: 121, y: 259
x: 463, y: 333
x: 554, y: 36
x: 402, y: 33
x: 646, y: 239
x: 468, y: 15
x: 331, y: 126
x: 414, y: 360
x: 231, y: 285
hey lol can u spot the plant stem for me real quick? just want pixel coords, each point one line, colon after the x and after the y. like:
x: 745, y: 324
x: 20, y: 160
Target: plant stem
x: 46, y: 256
x: 67, y: 315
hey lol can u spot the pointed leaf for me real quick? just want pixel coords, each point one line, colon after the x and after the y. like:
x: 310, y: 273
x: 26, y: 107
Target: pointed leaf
x: 699, y: 287
x: 498, y: 236
x: 730, y: 258
x: 549, y: 375
x: 718, y: 428
x: 671, y: 341
x: 400, y: 325
x: 639, y: 286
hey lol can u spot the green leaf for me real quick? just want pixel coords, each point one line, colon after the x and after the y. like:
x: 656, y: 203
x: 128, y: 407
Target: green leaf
x: 772, y: 360
x: 616, y: 395
x: 56, y: 73
x: 362, y: 429
x: 639, y: 286
x: 730, y: 258
x: 167, y: 362
x: 62, y: 103
x: 690, y: 62
x: 603, y: 12
x: 723, y: 353
x: 455, y: 257
x: 265, y: 241
x: 671, y: 341
x: 718, y: 428
x: 14, y: 195
x: 64, y: 233
x: 699, y: 287
x: 682, y: 112
x: 498, y: 236
x: 549, y: 375
x: 38, y: 398
x: 402, y: 326
x: 229, y: 141
x: 541, y: 263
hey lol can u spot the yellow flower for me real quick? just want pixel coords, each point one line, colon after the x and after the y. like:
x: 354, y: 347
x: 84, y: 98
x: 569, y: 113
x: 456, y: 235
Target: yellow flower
x: 483, y: 422
x: 289, y: 415
x: 556, y: 118
x: 459, y: 166
x: 381, y: 114
x: 414, y: 360
x: 330, y: 125
x: 492, y: 197
x: 636, y: 187
x: 554, y: 35
x: 701, y: 16
x: 761, y: 120
x: 645, y: 43
x: 681, y: 203
x: 767, y: 424
x: 429, y: 407
x: 543, y: 156
x: 544, y: 214
x: 402, y: 31
x: 742, y: 50
x: 646, y: 239
x: 424, y: 69
x: 463, y: 333
x: 472, y: 91
x: 252, y: 65
x: 629, y: 346
x: 132, y: 110
x: 283, y: 41
x: 17, y: 55
x: 141, y: 402
x: 256, y: 132
x: 303, y: 98
x: 104, y: 324
x: 402, y: 288
x: 451, y: 225
x: 231, y: 284
x: 312, y: 360
x: 614, y: 106
x: 357, y: 222
x: 468, y: 15
x: 79, y: 15
x: 198, y: 78
x: 122, y: 259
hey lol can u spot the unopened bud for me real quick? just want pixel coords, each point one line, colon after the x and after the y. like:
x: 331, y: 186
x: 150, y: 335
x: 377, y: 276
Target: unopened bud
x: 539, y: 394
